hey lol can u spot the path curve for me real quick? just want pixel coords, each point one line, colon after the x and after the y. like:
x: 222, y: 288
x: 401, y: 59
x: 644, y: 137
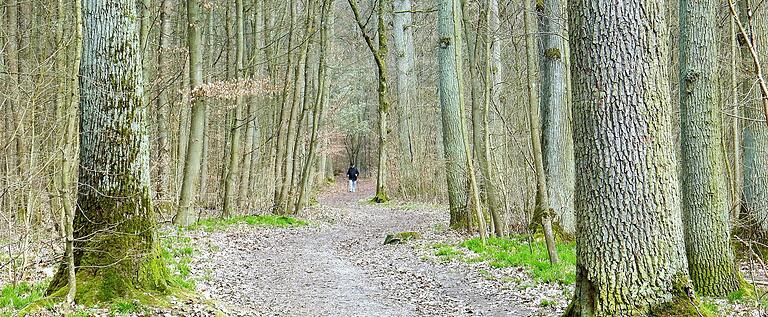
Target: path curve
x: 339, y: 267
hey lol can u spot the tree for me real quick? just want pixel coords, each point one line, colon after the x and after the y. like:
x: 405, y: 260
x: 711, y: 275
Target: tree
x: 405, y: 58
x: 629, y: 243
x: 116, y: 245
x: 185, y: 214
x: 379, y: 53
x: 543, y: 213
x: 234, y: 146
x: 459, y: 169
x: 557, y: 137
x: 753, y: 25
x: 704, y: 196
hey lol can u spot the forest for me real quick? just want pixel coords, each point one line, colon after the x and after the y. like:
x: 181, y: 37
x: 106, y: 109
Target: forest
x: 575, y: 158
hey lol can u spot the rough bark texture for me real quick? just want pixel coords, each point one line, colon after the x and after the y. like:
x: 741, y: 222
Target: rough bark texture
x: 557, y: 136
x: 755, y: 133
x: 116, y: 248
x: 627, y: 182
x: 704, y: 196
x: 448, y: 86
x: 185, y: 215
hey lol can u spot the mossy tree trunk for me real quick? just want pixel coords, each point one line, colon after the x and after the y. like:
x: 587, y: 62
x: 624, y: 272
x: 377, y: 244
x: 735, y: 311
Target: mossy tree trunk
x: 379, y: 50
x: 116, y: 244
x: 704, y: 196
x: 627, y: 182
x: 557, y: 136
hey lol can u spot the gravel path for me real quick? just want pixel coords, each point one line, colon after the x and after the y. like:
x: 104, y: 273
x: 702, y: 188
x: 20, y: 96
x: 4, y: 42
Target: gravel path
x: 338, y: 266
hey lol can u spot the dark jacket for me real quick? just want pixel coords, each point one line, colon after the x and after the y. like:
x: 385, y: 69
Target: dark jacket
x: 352, y: 173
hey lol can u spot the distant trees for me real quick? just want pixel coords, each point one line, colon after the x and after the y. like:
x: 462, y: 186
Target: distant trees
x: 627, y: 184
x: 116, y: 246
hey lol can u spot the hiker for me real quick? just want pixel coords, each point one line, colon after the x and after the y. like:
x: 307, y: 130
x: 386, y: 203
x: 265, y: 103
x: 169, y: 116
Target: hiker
x: 352, y: 174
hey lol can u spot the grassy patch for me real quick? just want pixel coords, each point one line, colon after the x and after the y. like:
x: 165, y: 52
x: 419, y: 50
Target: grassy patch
x: 447, y: 252
x: 177, y: 252
x: 19, y: 296
x: 518, y: 252
x: 210, y: 225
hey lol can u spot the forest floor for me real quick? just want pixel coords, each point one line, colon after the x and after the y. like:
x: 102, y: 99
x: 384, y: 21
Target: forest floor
x: 339, y: 266
x: 333, y: 262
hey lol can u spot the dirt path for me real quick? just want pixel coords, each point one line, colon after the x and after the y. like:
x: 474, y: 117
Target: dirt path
x: 338, y: 266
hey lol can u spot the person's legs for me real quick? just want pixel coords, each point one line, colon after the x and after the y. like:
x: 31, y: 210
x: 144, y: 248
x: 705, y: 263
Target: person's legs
x: 351, y: 185
x: 354, y: 186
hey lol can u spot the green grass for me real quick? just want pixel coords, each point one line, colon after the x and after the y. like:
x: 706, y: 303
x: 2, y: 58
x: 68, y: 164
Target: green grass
x: 177, y: 252
x: 16, y: 297
x: 518, y: 252
x: 215, y: 224
x: 126, y: 307
x: 446, y: 252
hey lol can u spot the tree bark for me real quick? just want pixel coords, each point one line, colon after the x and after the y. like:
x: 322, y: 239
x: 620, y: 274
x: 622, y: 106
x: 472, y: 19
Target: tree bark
x: 557, y: 136
x: 116, y: 245
x: 627, y: 183
x: 185, y: 214
x: 755, y: 133
x: 704, y: 196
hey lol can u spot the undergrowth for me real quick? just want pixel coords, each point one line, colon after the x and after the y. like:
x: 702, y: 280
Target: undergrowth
x: 517, y: 252
x: 215, y: 224
x: 17, y: 297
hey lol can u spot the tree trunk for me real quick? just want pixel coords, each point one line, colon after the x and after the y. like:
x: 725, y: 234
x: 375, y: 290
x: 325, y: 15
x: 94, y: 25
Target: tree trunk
x: 543, y: 212
x: 704, y: 196
x: 230, y: 187
x: 116, y: 246
x: 557, y: 137
x: 405, y: 56
x: 452, y: 119
x: 755, y: 133
x: 627, y: 182
x: 492, y: 49
x: 162, y: 107
x: 185, y: 215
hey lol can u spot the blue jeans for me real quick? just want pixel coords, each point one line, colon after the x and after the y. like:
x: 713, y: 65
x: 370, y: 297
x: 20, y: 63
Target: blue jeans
x: 352, y: 186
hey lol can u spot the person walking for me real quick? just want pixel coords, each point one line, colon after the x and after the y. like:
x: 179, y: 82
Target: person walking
x: 352, y: 174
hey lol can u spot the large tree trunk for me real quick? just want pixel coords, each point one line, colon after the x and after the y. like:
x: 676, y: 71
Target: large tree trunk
x: 704, y: 195
x: 185, y: 214
x: 557, y: 136
x: 627, y: 182
x: 452, y: 119
x: 755, y: 133
x: 116, y: 247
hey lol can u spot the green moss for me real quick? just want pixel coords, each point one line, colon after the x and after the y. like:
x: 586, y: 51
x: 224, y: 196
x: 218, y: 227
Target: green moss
x: 519, y: 252
x: 210, y: 225
x: 552, y: 53
x: 683, y: 302
x: 380, y: 198
x: 401, y: 237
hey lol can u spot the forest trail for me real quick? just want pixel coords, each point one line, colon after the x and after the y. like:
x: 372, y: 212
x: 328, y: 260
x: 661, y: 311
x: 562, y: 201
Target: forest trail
x: 338, y: 266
